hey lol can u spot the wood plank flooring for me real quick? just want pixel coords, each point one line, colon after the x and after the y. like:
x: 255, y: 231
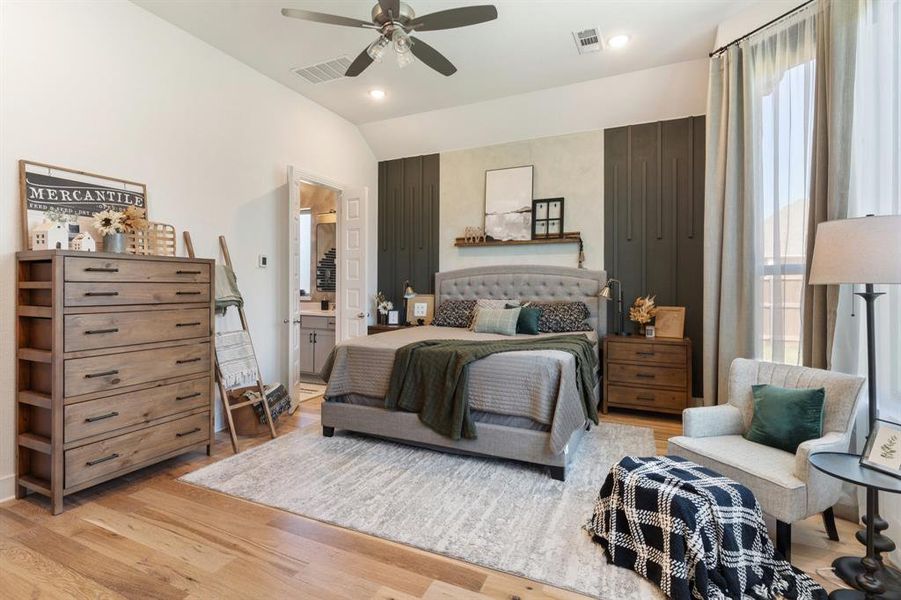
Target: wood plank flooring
x: 148, y: 536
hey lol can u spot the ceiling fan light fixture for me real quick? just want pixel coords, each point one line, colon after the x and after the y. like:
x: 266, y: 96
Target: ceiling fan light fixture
x: 376, y: 49
x: 402, y: 48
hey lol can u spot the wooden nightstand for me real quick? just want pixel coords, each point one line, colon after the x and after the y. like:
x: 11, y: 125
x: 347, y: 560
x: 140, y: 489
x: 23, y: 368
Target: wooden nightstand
x: 651, y: 374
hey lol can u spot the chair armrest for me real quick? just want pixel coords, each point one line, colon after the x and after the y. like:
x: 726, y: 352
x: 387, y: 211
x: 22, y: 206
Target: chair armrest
x: 709, y: 421
x: 834, y: 441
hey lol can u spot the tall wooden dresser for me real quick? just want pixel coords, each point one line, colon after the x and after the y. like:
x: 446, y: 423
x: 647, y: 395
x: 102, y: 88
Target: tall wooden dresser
x: 114, y: 366
x: 647, y: 373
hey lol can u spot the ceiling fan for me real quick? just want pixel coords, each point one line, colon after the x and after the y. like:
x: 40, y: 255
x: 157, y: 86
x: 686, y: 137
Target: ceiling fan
x: 395, y: 21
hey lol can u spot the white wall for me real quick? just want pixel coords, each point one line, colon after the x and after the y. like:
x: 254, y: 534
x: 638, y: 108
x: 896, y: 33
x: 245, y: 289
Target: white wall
x: 751, y: 18
x: 110, y: 88
x: 671, y: 91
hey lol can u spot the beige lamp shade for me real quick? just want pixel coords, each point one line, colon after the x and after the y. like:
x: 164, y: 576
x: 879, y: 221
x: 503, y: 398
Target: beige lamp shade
x: 861, y: 250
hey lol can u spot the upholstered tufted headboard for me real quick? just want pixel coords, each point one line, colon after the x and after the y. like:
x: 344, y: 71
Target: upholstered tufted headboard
x: 527, y: 282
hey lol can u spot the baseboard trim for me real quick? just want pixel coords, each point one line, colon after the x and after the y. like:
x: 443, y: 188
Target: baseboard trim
x: 7, y: 487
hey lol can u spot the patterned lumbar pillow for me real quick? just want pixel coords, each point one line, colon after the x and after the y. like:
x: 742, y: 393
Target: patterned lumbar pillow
x: 559, y: 317
x: 496, y: 320
x: 490, y: 303
x: 454, y: 313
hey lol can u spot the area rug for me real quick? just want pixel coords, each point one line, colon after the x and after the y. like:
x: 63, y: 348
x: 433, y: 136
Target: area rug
x: 494, y: 513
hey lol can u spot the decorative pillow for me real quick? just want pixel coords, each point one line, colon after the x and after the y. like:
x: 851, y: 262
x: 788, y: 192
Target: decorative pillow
x: 454, y: 313
x: 559, y: 317
x: 528, y: 319
x: 496, y: 320
x: 489, y: 303
x: 784, y: 418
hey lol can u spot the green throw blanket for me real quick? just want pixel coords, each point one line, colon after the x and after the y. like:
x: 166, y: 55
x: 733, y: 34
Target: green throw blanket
x: 430, y: 378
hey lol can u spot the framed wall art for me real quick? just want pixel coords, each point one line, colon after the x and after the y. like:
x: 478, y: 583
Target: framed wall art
x: 669, y: 322
x: 883, y: 449
x: 421, y: 307
x: 547, y: 218
x: 51, y: 193
x: 508, y: 203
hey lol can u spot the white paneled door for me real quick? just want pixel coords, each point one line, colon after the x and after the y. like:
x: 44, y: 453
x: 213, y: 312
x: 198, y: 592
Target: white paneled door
x: 293, y: 310
x: 353, y: 311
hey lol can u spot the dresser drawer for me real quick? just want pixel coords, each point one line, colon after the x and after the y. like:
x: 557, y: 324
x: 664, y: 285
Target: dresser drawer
x: 646, y: 375
x: 100, y: 373
x: 117, y: 294
x: 95, y: 417
x: 651, y: 399
x: 646, y: 352
x: 107, y: 330
x: 132, y: 270
x: 108, y: 456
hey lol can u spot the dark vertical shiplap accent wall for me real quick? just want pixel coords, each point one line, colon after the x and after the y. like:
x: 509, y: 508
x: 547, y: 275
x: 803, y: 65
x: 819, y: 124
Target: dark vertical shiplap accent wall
x: 408, y: 225
x: 654, y: 218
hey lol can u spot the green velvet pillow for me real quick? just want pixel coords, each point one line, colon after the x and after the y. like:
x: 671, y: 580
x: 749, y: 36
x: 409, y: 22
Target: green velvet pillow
x: 528, y: 319
x: 784, y: 417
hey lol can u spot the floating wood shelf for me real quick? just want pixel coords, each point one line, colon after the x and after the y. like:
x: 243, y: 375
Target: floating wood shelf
x: 571, y: 237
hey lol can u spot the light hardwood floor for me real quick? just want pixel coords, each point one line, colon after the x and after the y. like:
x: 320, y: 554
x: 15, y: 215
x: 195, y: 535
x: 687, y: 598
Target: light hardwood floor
x: 149, y: 536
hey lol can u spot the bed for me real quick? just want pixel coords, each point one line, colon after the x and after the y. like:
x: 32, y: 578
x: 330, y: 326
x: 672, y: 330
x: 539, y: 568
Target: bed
x: 525, y: 403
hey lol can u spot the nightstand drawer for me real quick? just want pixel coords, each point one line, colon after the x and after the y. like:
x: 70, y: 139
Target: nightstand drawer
x: 110, y: 329
x: 646, y: 352
x: 651, y: 399
x: 646, y: 375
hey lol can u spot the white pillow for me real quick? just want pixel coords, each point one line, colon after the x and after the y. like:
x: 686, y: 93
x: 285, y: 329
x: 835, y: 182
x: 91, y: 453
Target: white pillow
x: 488, y: 303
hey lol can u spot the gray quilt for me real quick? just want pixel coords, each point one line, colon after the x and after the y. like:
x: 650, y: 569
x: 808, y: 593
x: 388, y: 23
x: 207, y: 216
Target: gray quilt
x: 539, y: 385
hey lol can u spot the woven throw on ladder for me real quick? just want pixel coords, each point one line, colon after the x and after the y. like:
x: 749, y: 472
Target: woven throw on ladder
x: 237, y: 362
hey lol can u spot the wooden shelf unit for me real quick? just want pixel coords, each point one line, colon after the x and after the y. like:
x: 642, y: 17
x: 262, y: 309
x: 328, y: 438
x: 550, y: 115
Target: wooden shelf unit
x: 66, y: 416
x: 570, y: 237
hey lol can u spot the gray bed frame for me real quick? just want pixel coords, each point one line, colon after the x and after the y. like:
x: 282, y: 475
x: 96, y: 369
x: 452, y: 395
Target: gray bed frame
x: 517, y: 282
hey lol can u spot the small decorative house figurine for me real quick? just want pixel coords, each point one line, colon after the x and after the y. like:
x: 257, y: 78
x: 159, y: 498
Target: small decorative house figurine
x: 50, y: 235
x: 84, y: 241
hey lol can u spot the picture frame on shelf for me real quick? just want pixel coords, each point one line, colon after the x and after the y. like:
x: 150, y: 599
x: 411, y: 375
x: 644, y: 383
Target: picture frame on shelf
x: 51, y: 189
x: 508, y: 203
x: 669, y: 322
x: 547, y: 218
x: 883, y: 449
x: 393, y: 317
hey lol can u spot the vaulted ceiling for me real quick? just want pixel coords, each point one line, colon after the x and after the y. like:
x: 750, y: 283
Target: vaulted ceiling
x: 529, y: 47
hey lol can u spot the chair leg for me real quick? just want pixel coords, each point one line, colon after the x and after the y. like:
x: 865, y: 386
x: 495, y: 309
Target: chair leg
x: 829, y: 524
x: 784, y: 540
x: 558, y: 473
x: 328, y: 431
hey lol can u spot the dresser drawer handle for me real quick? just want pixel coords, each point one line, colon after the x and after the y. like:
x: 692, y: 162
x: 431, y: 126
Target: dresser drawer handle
x: 187, y: 360
x: 108, y: 415
x: 197, y: 293
x: 181, y: 272
x: 97, y: 461
x: 192, y: 324
x: 645, y: 375
x: 647, y: 398
x: 101, y: 293
x: 97, y: 331
x: 103, y: 374
x: 184, y: 433
x: 102, y: 269
x: 645, y: 353
x: 194, y: 395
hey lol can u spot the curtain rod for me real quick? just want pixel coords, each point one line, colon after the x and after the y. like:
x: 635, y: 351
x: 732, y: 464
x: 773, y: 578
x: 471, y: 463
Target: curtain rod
x: 762, y: 27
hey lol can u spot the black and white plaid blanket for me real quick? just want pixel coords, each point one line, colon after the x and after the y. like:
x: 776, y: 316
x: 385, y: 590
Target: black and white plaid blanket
x: 693, y: 532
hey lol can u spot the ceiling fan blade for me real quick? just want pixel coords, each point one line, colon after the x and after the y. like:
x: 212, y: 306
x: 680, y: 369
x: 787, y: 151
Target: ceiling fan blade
x: 309, y: 15
x: 454, y: 17
x: 359, y: 64
x: 392, y: 6
x: 432, y: 57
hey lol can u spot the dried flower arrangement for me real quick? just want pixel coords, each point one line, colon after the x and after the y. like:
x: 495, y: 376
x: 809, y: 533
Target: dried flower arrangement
x: 382, y: 304
x: 134, y: 219
x: 643, y: 310
x: 57, y: 215
x: 109, y: 221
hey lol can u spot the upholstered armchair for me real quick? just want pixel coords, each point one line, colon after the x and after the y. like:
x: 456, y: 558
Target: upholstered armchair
x: 785, y: 484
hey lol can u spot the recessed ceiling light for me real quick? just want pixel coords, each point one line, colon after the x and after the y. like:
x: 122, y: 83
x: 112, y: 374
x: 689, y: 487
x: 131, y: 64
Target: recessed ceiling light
x: 377, y: 94
x: 618, y: 41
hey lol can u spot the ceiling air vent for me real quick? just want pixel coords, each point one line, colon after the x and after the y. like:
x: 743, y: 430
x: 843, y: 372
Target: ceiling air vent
x: 587, y: 40
x: 326, y: 71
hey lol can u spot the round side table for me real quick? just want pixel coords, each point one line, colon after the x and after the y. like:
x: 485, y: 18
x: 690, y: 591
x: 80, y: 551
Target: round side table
x: 847, y: 467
